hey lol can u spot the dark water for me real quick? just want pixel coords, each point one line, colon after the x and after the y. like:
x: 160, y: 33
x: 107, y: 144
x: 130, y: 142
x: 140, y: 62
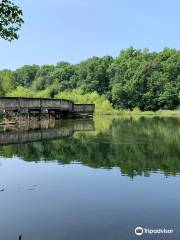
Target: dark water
x: 84, y: 180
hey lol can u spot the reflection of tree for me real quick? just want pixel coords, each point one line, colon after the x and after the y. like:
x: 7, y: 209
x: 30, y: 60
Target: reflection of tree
x: 135, y: 146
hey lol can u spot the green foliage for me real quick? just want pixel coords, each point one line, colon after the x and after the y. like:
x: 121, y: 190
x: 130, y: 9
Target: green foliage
x: 21, y: 92
x: 7, y: 81
x: 138, y: 79
x: 149, y: 81
x: 93, y: 74
x: 2, y: 93
x: 26, y: 75
x: 102, y: 104
x: 10, y: 20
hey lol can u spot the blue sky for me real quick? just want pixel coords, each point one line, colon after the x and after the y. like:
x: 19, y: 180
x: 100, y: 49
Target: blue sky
x: 73, y: 30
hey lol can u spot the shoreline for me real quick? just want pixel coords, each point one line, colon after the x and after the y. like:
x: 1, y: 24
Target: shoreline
x: 137, y: 112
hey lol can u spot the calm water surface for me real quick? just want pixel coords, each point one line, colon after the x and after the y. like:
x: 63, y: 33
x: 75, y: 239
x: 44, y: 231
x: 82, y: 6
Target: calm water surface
x: 85, y: 179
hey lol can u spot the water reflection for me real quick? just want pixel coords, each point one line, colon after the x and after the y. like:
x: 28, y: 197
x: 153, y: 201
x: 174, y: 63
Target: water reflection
x: 34, y: 131
x: 44, y: 200
x: 137, y: 146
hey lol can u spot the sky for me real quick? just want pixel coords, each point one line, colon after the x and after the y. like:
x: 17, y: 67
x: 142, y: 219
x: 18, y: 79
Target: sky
x: 74, y: 30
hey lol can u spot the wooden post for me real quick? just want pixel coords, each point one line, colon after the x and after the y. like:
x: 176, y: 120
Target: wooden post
x: 28, y: 115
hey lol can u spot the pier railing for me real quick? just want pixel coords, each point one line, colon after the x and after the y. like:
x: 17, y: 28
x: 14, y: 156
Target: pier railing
x: 84, y: 108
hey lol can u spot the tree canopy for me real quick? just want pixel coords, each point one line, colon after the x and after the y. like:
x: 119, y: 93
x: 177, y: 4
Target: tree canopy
x: 10, y: 20
x: 134, y: 79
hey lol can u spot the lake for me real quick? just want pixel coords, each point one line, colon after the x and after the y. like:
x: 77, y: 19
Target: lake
x: 90, y: 179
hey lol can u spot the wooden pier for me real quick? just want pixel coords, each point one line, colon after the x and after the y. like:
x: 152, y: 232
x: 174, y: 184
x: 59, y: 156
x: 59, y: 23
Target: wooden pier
x: 58, y: 107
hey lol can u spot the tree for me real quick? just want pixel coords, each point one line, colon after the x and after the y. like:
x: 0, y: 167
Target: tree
x: 93, y: 74
x: 25, y: 75
x: 10, y: 20
x: 135, y: 79
x: 7, y: 81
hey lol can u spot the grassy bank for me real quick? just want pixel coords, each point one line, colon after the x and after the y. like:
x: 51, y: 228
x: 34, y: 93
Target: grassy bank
x: 137, y: 112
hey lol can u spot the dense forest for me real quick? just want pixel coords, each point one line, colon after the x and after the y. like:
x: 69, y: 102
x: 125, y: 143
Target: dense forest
x: 134, y: 79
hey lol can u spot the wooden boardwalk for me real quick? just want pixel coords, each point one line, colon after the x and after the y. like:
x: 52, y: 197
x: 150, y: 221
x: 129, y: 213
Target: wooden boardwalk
x: 45, y: 105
